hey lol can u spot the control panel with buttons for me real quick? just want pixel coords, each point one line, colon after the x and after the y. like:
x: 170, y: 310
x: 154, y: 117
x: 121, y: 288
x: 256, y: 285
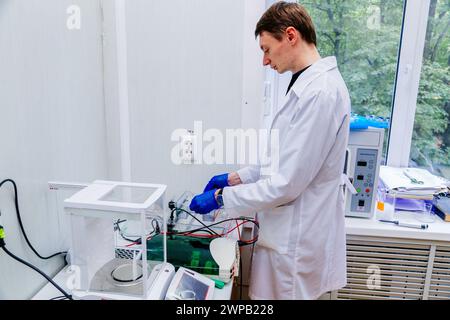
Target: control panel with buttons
x: 364, y: 180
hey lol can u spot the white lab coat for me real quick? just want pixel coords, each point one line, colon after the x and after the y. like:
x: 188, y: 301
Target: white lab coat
x: 300, y: 253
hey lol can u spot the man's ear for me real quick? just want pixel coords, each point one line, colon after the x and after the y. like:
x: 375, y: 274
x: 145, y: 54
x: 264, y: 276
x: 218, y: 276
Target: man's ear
x: 291, y: 35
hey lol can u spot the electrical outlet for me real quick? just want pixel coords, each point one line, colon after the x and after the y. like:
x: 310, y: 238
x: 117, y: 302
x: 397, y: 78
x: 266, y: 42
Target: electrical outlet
x: 188, y: 148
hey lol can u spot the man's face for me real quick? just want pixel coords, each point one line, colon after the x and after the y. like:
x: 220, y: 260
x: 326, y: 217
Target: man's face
x: 276, y: 52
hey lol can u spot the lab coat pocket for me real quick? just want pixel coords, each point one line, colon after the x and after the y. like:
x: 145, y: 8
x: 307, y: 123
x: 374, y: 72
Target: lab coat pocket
x: 275, y: 228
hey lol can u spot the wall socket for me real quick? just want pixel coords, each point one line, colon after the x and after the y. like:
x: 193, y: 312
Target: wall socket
x: 187, y: 144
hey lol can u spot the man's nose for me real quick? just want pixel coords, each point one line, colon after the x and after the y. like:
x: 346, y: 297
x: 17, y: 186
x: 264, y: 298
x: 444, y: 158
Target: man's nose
x: 266, y: 61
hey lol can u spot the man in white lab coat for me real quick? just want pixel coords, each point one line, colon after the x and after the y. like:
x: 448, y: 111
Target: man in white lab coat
x: 300, y: 253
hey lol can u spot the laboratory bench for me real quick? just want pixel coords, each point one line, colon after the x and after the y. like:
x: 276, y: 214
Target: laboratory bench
x: 438, y: 230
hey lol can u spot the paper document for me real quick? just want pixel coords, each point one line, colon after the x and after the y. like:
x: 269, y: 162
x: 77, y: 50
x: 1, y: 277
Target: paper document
x: 413, y: 182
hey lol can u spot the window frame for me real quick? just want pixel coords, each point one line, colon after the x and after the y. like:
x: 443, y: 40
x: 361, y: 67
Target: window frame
x: 412, y: 44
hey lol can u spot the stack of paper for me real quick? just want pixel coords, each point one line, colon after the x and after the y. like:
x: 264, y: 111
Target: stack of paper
x: 412, y: 183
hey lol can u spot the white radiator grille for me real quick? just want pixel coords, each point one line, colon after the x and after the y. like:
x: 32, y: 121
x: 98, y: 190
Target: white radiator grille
x: 440, y: 277
x: 385, y: 270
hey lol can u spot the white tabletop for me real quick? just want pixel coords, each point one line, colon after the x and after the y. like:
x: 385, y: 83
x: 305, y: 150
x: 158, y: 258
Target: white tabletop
x: 49, y: 291
x: 437, y: 231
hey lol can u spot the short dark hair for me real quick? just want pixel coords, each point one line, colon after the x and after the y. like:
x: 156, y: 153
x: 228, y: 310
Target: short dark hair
x: 282, y: 15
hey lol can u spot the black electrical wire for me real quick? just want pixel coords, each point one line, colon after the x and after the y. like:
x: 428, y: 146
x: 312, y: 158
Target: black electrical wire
x: 214, y: 224
x: 156, y: 230
x: 156, y: 227
x: 68, y: 296
x: 137, y: 241
x: 16, y: 202
x: 117, y: 224
x: 205, y: 226
x: 236, y: 219
x: 59, y: 298
x: 187, y: 233
x: 240, y: 243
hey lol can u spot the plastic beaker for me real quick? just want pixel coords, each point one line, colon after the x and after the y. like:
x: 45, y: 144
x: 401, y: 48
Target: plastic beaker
x: 426, y: 214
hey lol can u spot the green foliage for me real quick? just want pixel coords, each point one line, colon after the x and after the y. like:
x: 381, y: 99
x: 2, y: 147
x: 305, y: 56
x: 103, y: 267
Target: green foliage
x: 364, y: 35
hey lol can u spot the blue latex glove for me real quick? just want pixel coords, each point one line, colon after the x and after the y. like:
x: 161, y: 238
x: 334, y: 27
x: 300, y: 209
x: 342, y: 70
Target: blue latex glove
x: 204, y: 203
x: 217, y: 182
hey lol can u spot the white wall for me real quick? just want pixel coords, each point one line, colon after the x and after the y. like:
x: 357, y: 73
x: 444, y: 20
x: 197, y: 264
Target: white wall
x: 185, y: 64
x: 51, y: 124
x: 61, y: 111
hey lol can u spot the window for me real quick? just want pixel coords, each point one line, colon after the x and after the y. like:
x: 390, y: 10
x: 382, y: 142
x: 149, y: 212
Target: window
x: 364, y: 35
x: 430, y: 146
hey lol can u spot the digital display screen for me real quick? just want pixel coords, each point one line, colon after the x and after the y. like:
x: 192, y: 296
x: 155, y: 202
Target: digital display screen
x: 362, y: 163
x: 360, y: 177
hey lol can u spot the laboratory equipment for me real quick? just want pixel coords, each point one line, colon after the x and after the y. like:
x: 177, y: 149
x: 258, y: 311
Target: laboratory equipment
x: 176, y: 205
x: 362, y: 168
x: 190, y: 285
x: 216, y: 258
x: 426, y: 215
x: 193, y: 244
x: 107, y: 264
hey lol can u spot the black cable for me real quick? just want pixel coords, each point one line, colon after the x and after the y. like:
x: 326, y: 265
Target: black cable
x: 117, y: 224
x: 236, y: 219
x: 16, y: 202
x: 68, y: 296
x: 180, y: 209
x: 137, y: 241
x: 156, y: 227
x: 217, y: 223
x: 192, y: 232
x: 156, y: 230
x: 188, y: 232
x: 59, y: 298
